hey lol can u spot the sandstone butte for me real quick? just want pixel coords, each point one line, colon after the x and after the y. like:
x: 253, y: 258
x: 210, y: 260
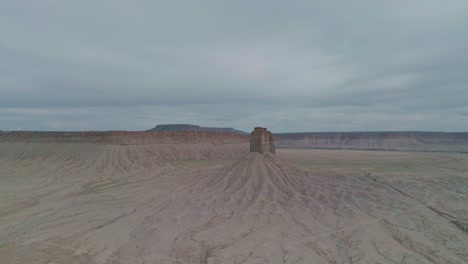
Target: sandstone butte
x: 261, y: 141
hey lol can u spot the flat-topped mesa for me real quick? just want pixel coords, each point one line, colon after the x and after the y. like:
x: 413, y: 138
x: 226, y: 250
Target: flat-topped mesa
x: 261, y: 141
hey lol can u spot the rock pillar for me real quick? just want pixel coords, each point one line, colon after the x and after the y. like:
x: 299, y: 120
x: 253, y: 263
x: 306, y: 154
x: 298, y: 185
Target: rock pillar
x: 261, y: 141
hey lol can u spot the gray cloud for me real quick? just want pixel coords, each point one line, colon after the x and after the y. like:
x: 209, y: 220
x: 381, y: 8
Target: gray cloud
x: 288, y: 65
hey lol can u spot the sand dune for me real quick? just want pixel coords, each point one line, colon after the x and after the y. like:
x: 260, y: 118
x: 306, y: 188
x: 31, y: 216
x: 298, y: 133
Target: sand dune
x: 215, y: 203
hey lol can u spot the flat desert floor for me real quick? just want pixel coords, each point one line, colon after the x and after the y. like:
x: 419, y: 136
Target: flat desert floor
x: 79, y: 203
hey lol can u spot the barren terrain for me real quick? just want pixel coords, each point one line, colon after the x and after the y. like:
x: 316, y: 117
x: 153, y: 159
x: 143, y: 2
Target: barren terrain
x: 403, y: 141
x: 202, y: 198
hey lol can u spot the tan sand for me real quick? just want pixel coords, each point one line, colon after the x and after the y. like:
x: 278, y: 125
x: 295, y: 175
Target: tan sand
x: 216, y: 203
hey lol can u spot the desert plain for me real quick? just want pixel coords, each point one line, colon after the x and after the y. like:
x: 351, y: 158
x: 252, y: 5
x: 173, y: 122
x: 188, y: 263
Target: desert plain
x: 204, y: 198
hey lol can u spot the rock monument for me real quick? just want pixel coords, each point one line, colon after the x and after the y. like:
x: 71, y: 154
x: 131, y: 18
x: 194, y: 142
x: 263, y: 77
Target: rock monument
x: 261, y: 141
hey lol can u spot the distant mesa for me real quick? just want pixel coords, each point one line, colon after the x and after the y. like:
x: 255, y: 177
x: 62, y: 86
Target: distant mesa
x: 188, y: 127
x: 262, y: 141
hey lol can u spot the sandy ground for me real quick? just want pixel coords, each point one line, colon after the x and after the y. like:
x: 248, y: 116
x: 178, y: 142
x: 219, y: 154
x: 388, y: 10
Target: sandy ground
x: 200, y: 203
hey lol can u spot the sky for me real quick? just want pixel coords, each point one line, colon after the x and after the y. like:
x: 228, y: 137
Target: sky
x: 290, y: 66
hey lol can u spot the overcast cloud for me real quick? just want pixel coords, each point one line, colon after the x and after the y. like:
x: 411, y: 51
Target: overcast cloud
x: 287, y: 65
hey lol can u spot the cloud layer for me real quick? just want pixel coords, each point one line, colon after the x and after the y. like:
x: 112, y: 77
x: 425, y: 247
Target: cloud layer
x: 289, y: 65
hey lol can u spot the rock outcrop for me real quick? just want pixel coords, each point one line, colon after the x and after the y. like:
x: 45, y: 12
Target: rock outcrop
x: 261, y: 141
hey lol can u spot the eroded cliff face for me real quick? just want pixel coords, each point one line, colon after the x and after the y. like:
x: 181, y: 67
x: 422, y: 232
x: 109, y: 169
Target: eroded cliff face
x: 405, y: 141
x: 261, y: 141
x: 124, y: 137
x: 117, y: 146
